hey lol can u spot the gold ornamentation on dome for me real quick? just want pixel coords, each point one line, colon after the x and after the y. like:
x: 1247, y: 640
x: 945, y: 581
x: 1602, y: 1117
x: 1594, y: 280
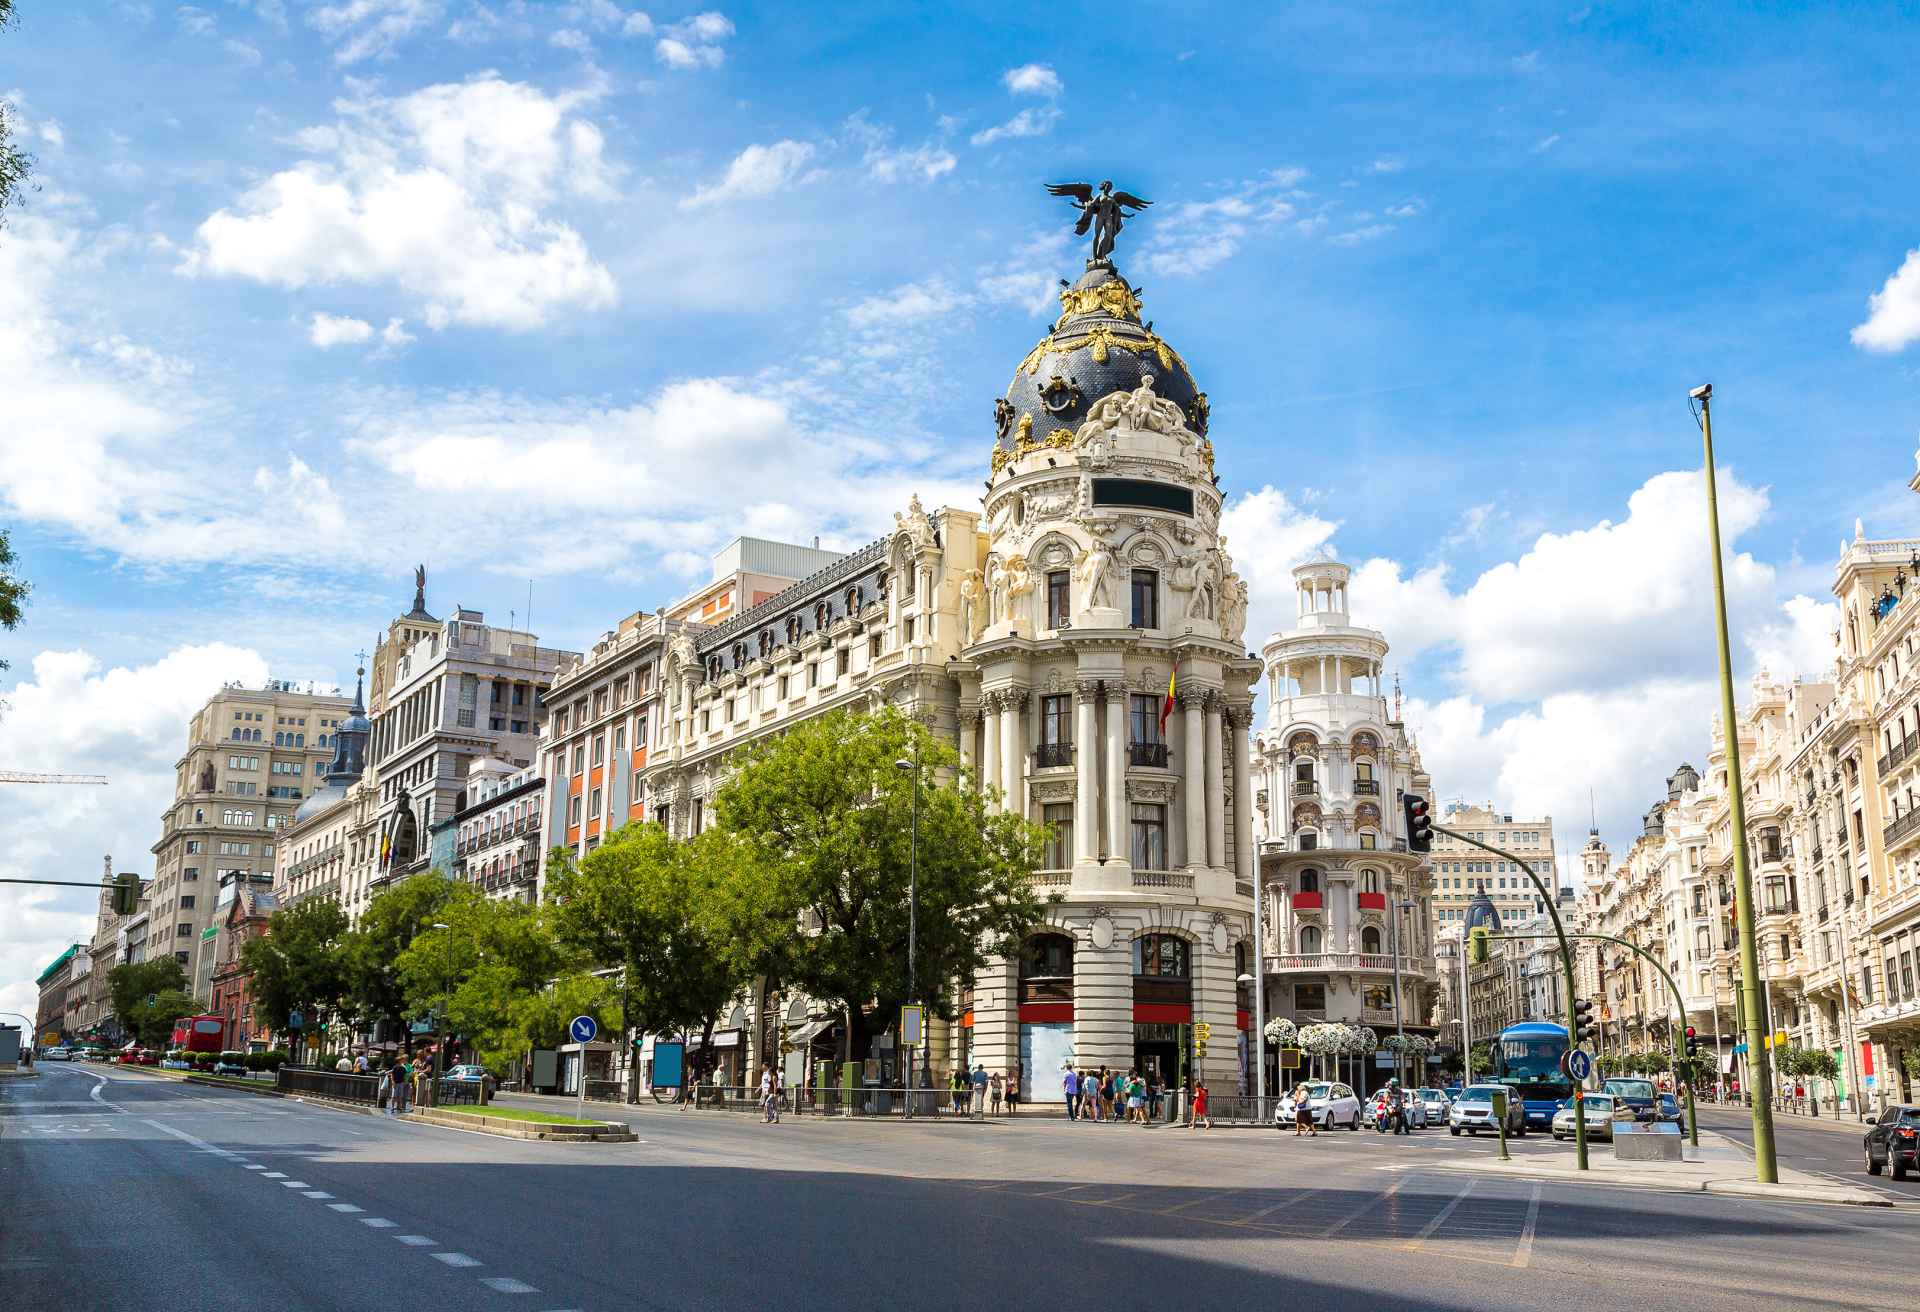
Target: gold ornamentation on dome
x: 1110, y: 298
x: 1001, y: 456
x: 1101, y: 340
x: 1026, y: 431
x: 1206, y: 455
x: 1060, y: 439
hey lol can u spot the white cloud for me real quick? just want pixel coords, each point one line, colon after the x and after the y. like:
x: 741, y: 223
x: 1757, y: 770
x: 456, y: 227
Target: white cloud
x: 444, y: 193
x: 1027, y: 123
x: 1406, y: 209
x: 1269, y: 535
x: 1528, y: 62
x: 1893, y: 312
x: 694, y: 42
x: 637, y: 25
x: 240, y: 50
x: 1387, y: 164
x: 1546, y: 144
x: 71, y: 716
x: 395, y: 334
x: 370, y: 29
x: 332, y: 330
x: 756, y: 171
x: 885, y: 162
x: 1190, y: 237
x: 1801, y: 641
x: 1358, y: 236
x: 195, y: 21
x: 568, y: 38
x: 25, y: 126
x: 1033, y: 80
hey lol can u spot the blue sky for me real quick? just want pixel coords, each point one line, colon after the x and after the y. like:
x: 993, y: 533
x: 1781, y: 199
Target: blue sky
x: 575, y: 292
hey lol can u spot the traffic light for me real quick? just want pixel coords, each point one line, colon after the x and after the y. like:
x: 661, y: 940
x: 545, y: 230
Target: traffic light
x: 1419, y: 822
x: 1583, y: 1027
x: 1201, y: 1033
x: 1693, y: 1043
x: 126, y: 894
x: 1479, y: 945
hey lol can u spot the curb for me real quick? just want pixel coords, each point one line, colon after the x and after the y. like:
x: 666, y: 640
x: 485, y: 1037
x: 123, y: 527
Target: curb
x: 508, y: 1128
x: 1834, y: 1195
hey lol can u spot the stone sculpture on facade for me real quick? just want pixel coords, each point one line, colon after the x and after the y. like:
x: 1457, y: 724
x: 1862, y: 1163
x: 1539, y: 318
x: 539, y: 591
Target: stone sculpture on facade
x: 973, y: 596
x: 1095, y: 569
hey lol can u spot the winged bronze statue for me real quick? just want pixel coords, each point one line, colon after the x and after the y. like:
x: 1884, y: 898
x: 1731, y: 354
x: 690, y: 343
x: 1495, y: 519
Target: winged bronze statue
x: 1104, y: 211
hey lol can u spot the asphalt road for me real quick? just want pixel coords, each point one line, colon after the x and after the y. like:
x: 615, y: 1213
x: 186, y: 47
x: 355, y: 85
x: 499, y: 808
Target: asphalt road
x: 121, y: 1190
x: 1830, y: 1148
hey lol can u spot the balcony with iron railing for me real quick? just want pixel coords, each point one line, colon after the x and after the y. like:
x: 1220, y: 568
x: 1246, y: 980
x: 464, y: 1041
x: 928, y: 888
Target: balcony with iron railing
x: 1898, y: 753
x: 1052, y: 756
x: 1366, y: 787
x: 1902, y: 829
x: 1154, y: 755
x: 1306, y: 788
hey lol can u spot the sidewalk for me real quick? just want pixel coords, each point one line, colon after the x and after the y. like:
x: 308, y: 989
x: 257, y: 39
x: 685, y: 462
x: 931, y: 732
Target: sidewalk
x: 1717, y: 1166
x: 1824, y: 1121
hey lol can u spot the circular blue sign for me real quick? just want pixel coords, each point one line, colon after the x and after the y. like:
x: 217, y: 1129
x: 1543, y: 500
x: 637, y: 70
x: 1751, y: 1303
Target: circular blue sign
x: 583, y: 1029
x: 1579, y: 1064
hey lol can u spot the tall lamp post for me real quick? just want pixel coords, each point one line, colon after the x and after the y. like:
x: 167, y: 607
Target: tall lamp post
x: 440, y: 1049
x: 912, y: 766
x: 1754, y: 1025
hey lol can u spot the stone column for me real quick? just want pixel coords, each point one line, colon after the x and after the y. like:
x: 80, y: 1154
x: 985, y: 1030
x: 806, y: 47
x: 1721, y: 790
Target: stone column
x: 1118, y: 849
x: 1243, y: 855
x: 1013, y: 711
x: 1086, y: 758
x: 1216, y: 814
x: 1193, y: 778
x: 969, y: 726
x: 990, y: 775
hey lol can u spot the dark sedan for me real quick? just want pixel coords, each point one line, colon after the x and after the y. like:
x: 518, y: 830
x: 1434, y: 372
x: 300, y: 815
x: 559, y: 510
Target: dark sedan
x: 1894, y: 1141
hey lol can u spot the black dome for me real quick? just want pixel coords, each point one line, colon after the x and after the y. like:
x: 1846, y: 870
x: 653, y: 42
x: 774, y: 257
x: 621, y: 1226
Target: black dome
x: 1098, y: 346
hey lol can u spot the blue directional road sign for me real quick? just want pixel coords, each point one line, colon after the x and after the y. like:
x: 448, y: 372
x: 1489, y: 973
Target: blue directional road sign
x: 1579, y: 1064
x: 583, y: 1029
x: 295, y: 1020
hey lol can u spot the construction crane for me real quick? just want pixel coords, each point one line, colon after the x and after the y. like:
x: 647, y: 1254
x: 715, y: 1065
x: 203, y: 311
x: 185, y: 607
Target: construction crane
x: 27, y: 777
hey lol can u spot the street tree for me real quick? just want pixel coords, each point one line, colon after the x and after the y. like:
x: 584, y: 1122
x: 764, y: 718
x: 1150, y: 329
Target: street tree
x: 152, y: 1022
x: 474, y: 973
x: 14, y: 168
x: 658, y: 908
x: 299, y: 964
x: 826, y: 817
x: 129, y: 986
x: 13, y: 588
x: 374, y: 991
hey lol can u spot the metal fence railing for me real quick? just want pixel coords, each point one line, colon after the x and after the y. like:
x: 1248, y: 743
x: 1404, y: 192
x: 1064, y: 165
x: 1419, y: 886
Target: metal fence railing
x: 328, y: 1084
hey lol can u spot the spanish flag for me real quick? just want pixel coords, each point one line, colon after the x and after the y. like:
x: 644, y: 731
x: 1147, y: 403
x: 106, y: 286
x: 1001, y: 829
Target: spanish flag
x: 1166, y: 707
x: 386, y: 849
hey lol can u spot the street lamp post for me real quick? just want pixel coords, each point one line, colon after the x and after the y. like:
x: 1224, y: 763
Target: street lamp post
x: 912, y: 766
x: 440, y: 1049
x: 1766, y: 1168
x: 1399, y: 1030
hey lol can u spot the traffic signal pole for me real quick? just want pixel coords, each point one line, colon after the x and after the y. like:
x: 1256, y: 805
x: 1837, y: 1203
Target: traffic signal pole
x: 1566, y: 964
x: 1693, y: 1123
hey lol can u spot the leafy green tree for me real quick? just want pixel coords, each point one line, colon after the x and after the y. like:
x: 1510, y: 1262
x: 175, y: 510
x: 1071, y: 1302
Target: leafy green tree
x: 299, y: 964
x: 492, y: 957
x: 374, y: 991
x: 659, y: 908
x: 14, y: 168
x: 13, y: 588
x: 129, y: 986
x: 152, y: 1022
x: 824, y: 817
x: 1481, y: 1058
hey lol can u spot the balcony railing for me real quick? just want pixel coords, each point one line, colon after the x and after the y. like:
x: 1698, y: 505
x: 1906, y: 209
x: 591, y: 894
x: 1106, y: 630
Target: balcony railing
x: 1153, y: 754
x: 1051, y: 755
x: 1162, y: 879
x: 1051, y: 878
x: 1899, y: 829
x: 1366, y: 787
x: 1305, y: 788
x: 1306, y: 901
x: 1372, y: 962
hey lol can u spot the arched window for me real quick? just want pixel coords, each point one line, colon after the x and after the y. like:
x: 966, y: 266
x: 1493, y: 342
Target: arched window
x: 1370, y: 940
x: 1309, y: 881
x: 1162, y: 955
x: 1309, y: 940
x: 1369, y: 881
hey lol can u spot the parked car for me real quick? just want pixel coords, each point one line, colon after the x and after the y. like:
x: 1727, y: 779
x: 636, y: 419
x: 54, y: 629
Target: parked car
x: 1894, y: 1141
x: 1638, y: 1096
x: 55, y: 1054
x: 1669, y: 1110
x: 1600, y: 1112
x: 1330, y: 1104
x: 1437, y: 1104
x: 471, y: 1074
x: 1377, y: 1108
x: 1472, y: 1111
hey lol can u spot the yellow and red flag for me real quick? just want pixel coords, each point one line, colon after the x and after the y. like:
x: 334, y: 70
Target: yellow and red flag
x: 1166, y: 707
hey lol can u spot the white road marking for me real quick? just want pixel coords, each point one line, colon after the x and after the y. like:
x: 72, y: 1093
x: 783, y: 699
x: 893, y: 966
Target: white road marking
x: 1440, y: 1220
x: 1364, y: 1208
x: 506, y: 1284
x: 345, y: 1207
x: 255, y: 1166
x: 379, y: 1223
x: 417, y: 1241
x: 318, y: 1193
x: 295, y: 1184
x: 1523, y: 1252
x: 455, y: 1259
x: 274, y: 1175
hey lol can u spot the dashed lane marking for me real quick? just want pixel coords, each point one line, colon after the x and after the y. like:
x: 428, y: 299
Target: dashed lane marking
x: 417, y: 1241
x: 318, y: 1193
x: 295, y: 1184
x: 507, y: 1285
x: 255, y: 1166
x: 379, y: 1223
x: 274, y: 1175
x: 345, y: 1207
x: 455, y: 1259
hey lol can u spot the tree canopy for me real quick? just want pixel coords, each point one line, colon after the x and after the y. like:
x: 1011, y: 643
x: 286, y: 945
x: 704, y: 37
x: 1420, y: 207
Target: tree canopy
x: 130, y: 985
x: 299, y: 964
x: 14, y: 168
x: 374, y: 990
x: 824, y: 816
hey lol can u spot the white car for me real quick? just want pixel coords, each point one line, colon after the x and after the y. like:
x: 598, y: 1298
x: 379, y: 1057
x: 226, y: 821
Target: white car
x: 1472, y: 1112
x: 1417, y: 1118
x: 1601, y: 1112
x: 1329, y: 1103
x: 1436, y: 1103
x: 55, y: 1054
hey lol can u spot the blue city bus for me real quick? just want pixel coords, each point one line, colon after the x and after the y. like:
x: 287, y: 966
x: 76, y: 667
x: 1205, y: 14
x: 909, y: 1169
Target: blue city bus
x: 1526, y: 1058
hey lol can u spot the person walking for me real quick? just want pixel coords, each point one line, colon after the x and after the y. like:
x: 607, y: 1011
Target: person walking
x: 402, y: 1085
x: 1090, y: 1094
x: 1201, y: 1121
x: 1303, y: 1113
x: 1070, y: 1085
x: 997, y: 1090
x: 1400, y: 1114
x: 979, y: 1090
x: 766, y: 1093
x: 957, y: 1087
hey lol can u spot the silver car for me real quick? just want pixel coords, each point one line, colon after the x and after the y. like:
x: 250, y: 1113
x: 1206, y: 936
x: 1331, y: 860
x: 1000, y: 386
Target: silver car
x: 1472, y: 1111
x: 1599, y: 1114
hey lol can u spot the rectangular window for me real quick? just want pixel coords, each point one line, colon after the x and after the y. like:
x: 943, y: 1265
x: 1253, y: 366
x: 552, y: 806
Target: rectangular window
x: 813, y: 674
x: 1056, y: 720
x: 593, y: 806
x: 1146, y: 599
x: 619, y: 739
x: 699, y: 814
x: 1309, y: 999
x: 469, y: 700
x: 1149, y: 836
x: 843, y: 661
x: 1059, y: 598
x: 599, y: 749
x: 193, y: 846
x: 189, y: 874
x: 183, y: 930
x: 873, y: 648
x: 1144, y: 718
x: 1058, y: 818
x: 186, y: 901
x: 573, y: 809
x: 579, y: 759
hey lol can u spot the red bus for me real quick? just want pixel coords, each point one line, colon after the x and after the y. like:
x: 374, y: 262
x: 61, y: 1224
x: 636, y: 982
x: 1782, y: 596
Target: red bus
x: 200, y: 1033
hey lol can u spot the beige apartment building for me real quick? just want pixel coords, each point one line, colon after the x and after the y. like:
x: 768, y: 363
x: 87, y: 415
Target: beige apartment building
x: 1461, y: 870
x: 252, y: 756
